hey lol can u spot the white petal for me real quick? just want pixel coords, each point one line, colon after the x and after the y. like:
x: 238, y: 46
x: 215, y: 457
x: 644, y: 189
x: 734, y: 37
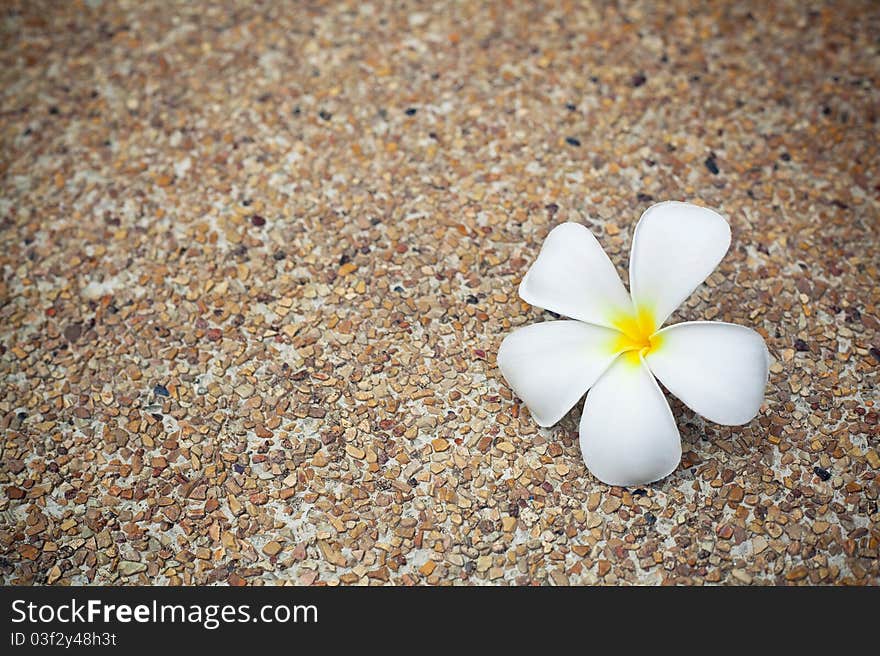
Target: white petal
x: 718, y: 370
x: 574, y: 277
x: 675, y: 248
x: 550, y: 365
x: 628, y: 435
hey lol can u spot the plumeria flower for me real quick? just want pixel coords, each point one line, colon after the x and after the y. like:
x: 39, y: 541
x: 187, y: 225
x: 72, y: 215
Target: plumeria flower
x: 613, y: 344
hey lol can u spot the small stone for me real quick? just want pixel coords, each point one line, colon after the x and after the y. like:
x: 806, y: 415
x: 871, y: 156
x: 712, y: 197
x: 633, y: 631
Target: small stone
x: 130, y: 567
x: 236, y: 581
x: 872, y: 458
x: 604, y: 567
x: 428, y: 568
x: 712, y: 165
x: 28, y: 551
x: 259, y: 498
x: 797, y: 573
x: 735, y: 494
x: 559, y: 578
x: 725, y: 532
x: 440, y: 444
x: 612, y: 504
x: 801, y: 346
x: 355, y: 452
x: 742, y: 576
x: 380, y: 574
x: 272, y: 548
x: 73, y: 332
x: 508, y: 523
x: 819, y: 527
x: 822, y: 473
x: 53, y: 575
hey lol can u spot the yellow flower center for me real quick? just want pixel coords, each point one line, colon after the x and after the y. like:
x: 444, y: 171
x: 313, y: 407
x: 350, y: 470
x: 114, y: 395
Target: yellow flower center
x: 638, y: 334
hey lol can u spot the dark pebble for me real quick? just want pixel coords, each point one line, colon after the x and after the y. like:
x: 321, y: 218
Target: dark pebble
x: 473, y: 300
x: 73, y: 332
x: 258, y: 221
x: 801, y: 345
x: 570, y: 107
x: 571, y: 141
x: 279, y: 255
x: 411, y: 111
x: 650, y: 519
x: 638, y: 79
x: 711, y: 164
x: 785, y: 157
x: 875, y: 352
x: 161, y: 390
x: 239, y: 469
x: 325, y: 115
x: 822, y: 473
x: 645, y: 198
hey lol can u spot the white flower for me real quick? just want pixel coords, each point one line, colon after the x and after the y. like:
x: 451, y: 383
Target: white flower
x: 614, y: 346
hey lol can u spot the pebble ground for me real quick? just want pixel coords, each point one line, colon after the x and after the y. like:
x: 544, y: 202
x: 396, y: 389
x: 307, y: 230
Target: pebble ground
x: 257, y: 259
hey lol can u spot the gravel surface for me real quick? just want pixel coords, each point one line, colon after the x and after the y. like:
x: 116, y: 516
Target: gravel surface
x: 257, y: 260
